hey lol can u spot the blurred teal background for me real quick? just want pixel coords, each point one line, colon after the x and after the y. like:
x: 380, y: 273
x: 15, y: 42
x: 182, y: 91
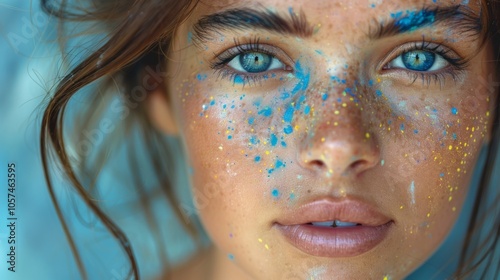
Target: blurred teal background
x: 29, y: 57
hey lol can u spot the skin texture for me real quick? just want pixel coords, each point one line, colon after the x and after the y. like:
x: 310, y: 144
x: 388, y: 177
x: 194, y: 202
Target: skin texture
x: 404, y: 144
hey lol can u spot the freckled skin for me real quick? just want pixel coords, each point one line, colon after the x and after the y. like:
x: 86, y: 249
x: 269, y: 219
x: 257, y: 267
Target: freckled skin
x: 337, y: 148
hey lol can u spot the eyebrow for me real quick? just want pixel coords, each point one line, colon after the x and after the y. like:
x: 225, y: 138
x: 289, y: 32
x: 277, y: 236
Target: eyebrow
x: 459, y: 17
x: 247, y: 18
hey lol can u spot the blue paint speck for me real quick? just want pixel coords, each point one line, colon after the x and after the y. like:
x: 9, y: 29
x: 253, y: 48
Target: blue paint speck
x: 231, y: 257
x: 266, y: 112
x: 454, y: 110
x: 238, y: 79
x: 413, y: 20
x: 274, y: 140
x: 324, y: 96
x: 254, y: 140
x: 229, y: 137
x: 257, y: 158
x: 307, y: 109
x: 251, y: 120
x: 378, y: 92
x: 285, y: 95
x: 275, y: 192
x: 288, y: 129
x: 288, y: 116
x: 201, y: 77
x: 303, y: 78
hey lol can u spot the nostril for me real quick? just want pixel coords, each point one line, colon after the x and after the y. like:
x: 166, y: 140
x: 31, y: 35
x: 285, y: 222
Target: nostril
x: 359, y: 165
x: 317, y: 163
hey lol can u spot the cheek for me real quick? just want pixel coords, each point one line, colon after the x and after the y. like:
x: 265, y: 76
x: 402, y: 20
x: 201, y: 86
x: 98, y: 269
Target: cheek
x: 429, y: 147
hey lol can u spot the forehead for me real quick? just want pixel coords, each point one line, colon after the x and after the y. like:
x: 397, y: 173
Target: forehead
x: 318, y: 11
x: 335, y: 21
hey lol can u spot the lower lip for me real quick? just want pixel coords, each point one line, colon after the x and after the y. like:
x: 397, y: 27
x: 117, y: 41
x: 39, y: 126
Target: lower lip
x: 334, y: 242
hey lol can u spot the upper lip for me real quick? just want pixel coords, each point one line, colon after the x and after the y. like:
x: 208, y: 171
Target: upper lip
x: 328, y: 209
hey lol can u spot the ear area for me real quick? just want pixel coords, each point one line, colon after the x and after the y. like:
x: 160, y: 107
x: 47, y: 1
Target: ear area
x: 160, y: 112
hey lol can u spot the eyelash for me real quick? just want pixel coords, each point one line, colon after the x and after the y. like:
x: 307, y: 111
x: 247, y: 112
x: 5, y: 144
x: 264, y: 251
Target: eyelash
x: 221, y: 61
x: 456, y: 65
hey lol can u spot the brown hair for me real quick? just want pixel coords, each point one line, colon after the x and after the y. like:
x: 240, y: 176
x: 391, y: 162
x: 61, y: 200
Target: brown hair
x: 140, y: 33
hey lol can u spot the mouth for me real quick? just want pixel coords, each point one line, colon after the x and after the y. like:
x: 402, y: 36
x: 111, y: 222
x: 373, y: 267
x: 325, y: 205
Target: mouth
x: 334, y: 223
x: 326, y: 228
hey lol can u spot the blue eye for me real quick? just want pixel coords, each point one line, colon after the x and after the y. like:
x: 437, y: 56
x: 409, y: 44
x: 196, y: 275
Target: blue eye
x: 255, y: 62
x: 419, y: 61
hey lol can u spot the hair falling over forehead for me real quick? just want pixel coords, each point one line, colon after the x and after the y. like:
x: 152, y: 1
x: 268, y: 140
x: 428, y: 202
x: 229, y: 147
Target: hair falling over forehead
x: 139, y: 35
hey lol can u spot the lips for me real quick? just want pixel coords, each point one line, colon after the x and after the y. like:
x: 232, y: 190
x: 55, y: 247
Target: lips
x: 328, y: 228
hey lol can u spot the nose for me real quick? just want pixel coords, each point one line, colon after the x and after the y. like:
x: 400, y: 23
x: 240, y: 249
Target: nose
x: 340, y: 146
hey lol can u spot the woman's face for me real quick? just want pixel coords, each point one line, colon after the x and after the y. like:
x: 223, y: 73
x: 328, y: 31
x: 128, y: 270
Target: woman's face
x: 367, y: 116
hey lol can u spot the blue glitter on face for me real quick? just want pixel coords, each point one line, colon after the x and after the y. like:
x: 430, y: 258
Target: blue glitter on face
x: 303, y: 78
x: 413, y: 20
x: 251, y: 120
x: 285, y: 95
x: 288, y: 116
x: 279, y: 164
x: 288, y: 129
x: 275, y: 193
x: 307, y: 109
x: 238, y: 79
x: 257, y: 158
x: 229, y: 137
x: 266, y: 112
x: 454, y: 110
x: 201, y: 77
x: 378, y: 92
x: 230, y: 257
x: 324, y: 96
x: 274, y: 140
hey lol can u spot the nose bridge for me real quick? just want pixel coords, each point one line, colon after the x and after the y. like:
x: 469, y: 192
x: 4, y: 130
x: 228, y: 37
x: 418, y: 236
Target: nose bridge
x: 339, y: 142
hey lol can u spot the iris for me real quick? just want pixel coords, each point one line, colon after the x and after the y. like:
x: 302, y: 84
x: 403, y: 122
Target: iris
x: 418, y: 60
x: 255, y: 62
